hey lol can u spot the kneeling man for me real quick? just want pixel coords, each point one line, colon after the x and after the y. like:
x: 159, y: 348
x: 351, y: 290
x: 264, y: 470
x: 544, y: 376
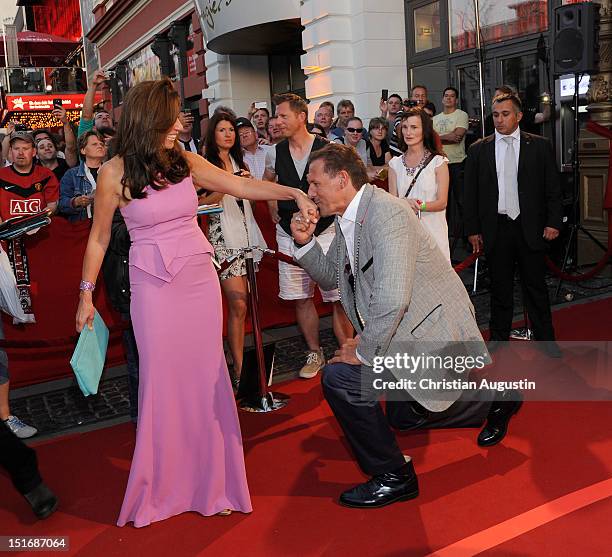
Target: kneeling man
x: 400, y: 294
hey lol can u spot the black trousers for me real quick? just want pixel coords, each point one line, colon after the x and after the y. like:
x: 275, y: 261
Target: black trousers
x: 511, y: 250
x: 454, y: 206
x: 367, y: 428
x: 19, y: 461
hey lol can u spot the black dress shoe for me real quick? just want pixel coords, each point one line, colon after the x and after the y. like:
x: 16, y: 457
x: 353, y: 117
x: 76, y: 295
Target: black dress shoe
x: 499, y: 416
x: 384, y: 489
x: 42, y: 500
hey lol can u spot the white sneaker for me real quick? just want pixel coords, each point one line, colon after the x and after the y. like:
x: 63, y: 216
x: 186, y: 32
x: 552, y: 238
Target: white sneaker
x: 21, y: 430
x: 314, y: 362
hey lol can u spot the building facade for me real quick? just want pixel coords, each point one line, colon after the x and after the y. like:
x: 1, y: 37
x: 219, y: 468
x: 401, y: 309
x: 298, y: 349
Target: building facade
x: 325, y: 51
x: 140, y: 40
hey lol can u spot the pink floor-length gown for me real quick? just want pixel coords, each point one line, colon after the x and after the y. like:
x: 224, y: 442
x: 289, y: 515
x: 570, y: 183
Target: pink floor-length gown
x: 188, y: 454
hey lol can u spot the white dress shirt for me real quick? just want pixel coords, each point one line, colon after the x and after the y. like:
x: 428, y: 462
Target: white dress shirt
x: 500, y: 154
x: 347, y: 225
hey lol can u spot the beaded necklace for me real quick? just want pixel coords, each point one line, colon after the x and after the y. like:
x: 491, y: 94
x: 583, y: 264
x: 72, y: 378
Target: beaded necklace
x: 412, y: 170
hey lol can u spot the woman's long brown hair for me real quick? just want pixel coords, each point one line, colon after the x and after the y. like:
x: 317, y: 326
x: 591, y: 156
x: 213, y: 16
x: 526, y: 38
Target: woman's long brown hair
x: 150, y: 109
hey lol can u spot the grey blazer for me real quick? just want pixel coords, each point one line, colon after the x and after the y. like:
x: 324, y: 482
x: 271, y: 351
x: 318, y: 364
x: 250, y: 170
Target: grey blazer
x: 407, y: 297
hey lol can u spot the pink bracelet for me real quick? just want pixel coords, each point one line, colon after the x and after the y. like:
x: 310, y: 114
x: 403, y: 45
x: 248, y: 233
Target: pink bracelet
x: 86, y: 285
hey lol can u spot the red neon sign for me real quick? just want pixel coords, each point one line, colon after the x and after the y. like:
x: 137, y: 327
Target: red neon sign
x: 27, y: 103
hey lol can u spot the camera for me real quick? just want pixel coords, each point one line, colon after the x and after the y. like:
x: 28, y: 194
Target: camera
x: 21, y: 128
x: 409, y: 103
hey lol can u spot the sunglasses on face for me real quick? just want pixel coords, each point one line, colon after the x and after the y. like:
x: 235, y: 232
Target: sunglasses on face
x: 354, y: 130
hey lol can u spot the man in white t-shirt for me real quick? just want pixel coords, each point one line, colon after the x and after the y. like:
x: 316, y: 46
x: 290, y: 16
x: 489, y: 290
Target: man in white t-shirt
x: 452, y: 125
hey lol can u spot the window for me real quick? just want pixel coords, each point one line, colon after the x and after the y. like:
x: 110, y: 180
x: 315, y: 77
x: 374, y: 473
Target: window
x: 427, y: 27
x: 434, y: 76
x: 499, y: 20
x: 286, y: 75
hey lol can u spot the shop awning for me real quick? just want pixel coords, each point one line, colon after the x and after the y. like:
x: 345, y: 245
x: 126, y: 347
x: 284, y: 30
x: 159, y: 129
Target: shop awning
x: 45, y: 50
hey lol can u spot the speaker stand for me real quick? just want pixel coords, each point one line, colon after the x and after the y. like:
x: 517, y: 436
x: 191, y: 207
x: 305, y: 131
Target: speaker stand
x: 576, y: 225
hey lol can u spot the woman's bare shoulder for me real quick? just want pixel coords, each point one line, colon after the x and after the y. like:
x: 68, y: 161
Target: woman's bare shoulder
x: 110, y: 176
x: 113, y: 168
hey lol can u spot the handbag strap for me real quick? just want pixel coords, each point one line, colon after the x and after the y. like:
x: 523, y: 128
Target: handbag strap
x: 425, y: 164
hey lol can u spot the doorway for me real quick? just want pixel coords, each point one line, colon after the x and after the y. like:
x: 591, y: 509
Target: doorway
x: 523, y: 72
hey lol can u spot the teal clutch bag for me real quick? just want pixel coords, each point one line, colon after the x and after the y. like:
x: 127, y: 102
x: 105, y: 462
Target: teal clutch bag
x: 89, y: 355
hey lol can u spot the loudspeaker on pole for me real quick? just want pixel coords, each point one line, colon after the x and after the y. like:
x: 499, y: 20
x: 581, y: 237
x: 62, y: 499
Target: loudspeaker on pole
x: 576, y: 38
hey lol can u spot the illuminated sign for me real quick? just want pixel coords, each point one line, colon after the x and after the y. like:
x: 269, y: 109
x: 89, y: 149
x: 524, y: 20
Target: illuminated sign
x: 27, y: 103
x: 38, y: 119
x: 567, y: 85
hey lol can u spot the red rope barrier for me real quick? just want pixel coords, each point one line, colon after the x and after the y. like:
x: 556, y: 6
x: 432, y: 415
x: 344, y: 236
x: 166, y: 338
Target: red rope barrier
x: 580, y: 277
x: 467, y: 262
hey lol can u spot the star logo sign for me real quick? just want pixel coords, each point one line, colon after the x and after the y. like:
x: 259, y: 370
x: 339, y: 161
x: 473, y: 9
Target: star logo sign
x: 19, y: 103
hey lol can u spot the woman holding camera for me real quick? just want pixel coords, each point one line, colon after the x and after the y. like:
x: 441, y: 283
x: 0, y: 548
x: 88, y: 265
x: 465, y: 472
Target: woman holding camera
x: 420, y: 174
x: 231, y: 230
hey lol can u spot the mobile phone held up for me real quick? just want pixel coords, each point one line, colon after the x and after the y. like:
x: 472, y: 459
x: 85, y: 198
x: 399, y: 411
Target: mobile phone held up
x: 259, y: 105
x: 385, y: 94
x: 57, y: 103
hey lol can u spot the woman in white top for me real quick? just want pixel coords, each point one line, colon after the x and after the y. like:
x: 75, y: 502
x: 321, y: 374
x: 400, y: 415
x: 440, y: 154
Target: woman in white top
x: 429, y: 194
x: 234, y: 228
x: 353, y: 137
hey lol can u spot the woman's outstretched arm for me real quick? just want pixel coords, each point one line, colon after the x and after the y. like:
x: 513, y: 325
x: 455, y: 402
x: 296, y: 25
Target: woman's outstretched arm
x: 206, y: 175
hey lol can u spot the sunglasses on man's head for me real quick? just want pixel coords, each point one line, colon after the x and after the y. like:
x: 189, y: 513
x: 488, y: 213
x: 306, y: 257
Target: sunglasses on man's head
x: 354, y: 130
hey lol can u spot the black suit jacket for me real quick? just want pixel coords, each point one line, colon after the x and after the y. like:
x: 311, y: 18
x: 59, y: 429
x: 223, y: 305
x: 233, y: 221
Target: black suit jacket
x: 538, y: 185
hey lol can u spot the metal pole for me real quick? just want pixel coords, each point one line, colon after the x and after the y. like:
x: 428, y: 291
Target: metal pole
x: 480, y: 67
x: 264, y: 400
x: 257, y: 338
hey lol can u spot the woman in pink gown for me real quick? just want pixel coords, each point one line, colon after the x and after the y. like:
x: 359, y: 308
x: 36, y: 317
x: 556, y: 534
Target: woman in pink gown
x: 188, y: 454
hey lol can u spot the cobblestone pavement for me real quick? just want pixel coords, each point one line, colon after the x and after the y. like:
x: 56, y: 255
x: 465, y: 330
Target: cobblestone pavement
x: 63, y: 410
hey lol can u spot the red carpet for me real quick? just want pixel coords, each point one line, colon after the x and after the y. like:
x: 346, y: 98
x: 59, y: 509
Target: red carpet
x: 545, y: 491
